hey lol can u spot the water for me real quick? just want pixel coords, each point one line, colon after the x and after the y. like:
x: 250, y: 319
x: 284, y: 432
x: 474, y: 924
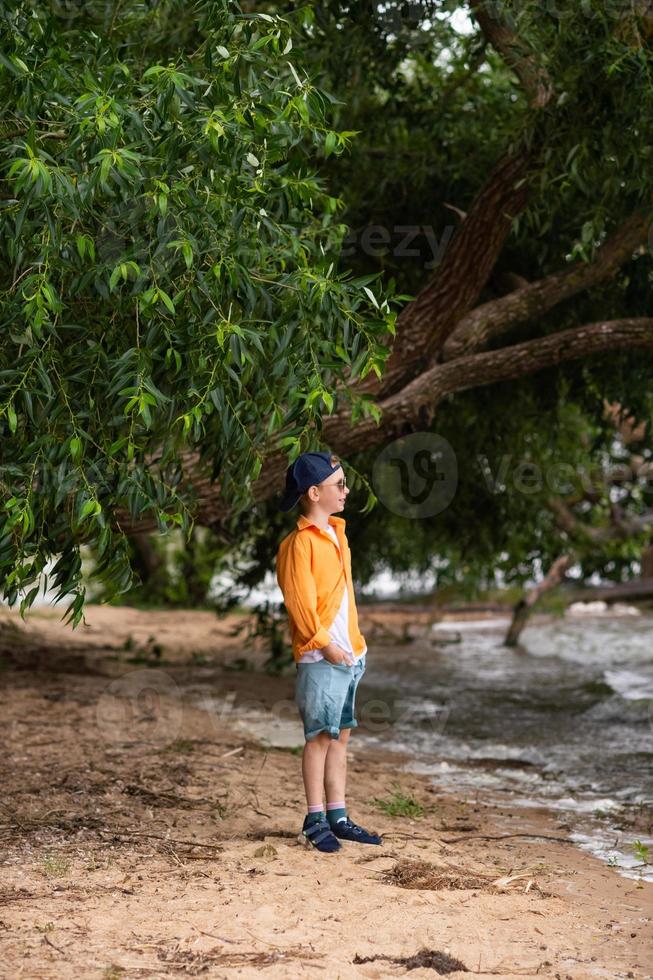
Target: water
x: 564, y: 722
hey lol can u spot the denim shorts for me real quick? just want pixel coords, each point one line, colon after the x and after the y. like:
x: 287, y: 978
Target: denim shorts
x: 325, y: 695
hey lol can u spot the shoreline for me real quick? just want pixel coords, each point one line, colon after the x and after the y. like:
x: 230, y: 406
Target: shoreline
x: 152, y: 837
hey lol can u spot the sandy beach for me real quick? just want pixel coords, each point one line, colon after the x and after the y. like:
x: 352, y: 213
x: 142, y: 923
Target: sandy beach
x: 145, y: 831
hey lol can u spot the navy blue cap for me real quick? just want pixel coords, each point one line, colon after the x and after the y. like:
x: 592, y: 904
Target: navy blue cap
x: 308, y: 470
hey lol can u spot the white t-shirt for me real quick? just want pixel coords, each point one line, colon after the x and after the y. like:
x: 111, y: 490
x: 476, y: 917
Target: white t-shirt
x: 339, y: 629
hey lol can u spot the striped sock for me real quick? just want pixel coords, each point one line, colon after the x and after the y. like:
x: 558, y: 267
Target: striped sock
x: 336, y: 812
x: 315, y: 814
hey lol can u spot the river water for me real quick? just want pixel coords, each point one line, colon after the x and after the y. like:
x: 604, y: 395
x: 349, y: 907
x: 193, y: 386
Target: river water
x: 565, y: 721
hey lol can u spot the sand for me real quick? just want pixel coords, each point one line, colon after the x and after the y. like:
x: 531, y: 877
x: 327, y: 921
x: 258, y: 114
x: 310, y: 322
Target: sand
x: 145, y: 832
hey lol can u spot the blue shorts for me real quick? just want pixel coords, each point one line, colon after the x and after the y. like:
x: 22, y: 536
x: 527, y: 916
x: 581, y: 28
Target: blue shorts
x: 325, y: 695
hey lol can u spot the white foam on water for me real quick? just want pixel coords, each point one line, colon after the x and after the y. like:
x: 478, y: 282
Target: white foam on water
x: 278, y: 733
x: 630, y: 684
x: 620, y: 855
x: 600, y: 608
x: 497, y: 622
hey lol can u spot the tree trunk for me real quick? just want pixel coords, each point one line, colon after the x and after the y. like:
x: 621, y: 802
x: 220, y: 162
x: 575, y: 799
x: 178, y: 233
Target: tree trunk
x: 433, y: 315
x: 647, y: 562
x: 147, y: 561
x: 524, y: 607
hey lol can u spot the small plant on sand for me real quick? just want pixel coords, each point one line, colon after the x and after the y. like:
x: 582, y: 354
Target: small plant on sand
x: 199, y: 659
x: 113, y: 972
x: 641, y: 851
x: 400, y: 805
x: 150, y: 653
x: 180, y: 745
x: 55, y: 865
x: 108, y: 861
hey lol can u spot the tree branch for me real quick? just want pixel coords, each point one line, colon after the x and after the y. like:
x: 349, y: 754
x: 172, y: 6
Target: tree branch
x: 422, y: 395
x: 533, y: 77
x: 424, y: 325
x: 492, y: 319
x: 620, y: 527
x: 516, y: 361
x: 432, y: 317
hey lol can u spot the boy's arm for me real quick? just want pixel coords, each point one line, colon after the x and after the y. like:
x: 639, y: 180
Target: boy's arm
x: 296, y: 581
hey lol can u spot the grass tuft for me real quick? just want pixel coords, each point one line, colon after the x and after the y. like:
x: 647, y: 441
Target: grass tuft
x: 113, y: 972
x: 55, y: 865
x: 400, y: 805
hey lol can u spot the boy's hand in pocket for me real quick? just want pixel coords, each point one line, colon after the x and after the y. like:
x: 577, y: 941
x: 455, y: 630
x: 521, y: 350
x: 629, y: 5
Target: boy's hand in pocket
x: 336, y: 655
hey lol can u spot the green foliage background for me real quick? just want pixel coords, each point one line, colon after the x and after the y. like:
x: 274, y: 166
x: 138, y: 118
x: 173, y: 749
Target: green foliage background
x: 169, y: 277
x: 184, y: 191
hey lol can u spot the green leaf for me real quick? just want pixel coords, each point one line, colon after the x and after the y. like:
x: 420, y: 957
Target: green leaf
x: 75, y: 448
x: 167, y: 302
x: 330, y: 143
x: 90, y: 507
x: 115, y: 276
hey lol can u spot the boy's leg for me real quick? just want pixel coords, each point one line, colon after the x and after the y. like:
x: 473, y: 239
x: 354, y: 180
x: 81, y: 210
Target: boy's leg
x: 315, y: 828
x: 335, y: 769
x: 313, y: 768
x: 325, y: 698
x: 335, y: 776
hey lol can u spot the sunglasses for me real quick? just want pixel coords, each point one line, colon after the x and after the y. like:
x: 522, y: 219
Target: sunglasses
x: 341, y: 484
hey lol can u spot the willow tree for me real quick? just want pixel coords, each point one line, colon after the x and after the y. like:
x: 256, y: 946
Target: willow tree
x: 179, y: 321
x: 165, y: 246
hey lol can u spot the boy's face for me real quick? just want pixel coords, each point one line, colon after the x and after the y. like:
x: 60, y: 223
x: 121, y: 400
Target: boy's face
x: 331, y: 493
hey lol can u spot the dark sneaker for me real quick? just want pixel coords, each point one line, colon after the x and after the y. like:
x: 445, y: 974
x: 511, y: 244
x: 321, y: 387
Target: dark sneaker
x: 320, y: 835
x: 346, y: 830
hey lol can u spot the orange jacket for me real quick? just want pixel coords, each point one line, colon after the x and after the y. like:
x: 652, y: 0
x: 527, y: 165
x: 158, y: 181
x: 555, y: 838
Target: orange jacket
x: 313, y: 578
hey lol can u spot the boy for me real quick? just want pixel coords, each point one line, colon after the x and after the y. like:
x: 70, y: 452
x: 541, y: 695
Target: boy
x: 314, y: 573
